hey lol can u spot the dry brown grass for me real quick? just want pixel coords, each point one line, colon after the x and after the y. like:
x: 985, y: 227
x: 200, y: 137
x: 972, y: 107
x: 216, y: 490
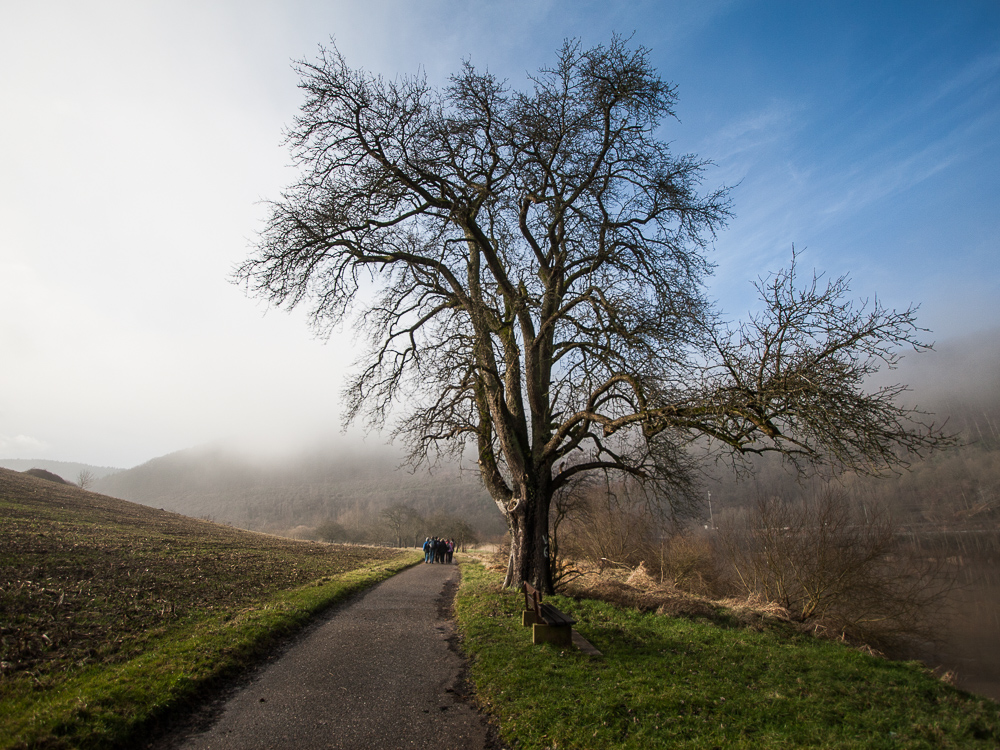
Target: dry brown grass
x: 638, y: 589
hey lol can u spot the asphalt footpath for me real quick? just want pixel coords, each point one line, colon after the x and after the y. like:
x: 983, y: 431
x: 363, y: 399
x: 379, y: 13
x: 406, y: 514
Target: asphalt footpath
x: 377, y: 672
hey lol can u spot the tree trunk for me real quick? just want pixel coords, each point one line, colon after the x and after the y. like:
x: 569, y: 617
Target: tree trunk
x: 529, y: 544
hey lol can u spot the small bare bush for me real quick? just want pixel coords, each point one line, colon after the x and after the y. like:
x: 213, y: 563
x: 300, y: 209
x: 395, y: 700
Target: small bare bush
x: 689, y: 562
x: 834, y: 565
x: 619, y: 527
x: 331, y: 531
x: 499, y: 559
x: 611, y: 529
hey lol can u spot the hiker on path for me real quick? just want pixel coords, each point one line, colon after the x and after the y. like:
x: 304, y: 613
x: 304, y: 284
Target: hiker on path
x: 428, y: 550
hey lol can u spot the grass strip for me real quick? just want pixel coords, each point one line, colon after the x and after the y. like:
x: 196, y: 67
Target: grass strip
x: 679, y: 683
x: 111, y: 706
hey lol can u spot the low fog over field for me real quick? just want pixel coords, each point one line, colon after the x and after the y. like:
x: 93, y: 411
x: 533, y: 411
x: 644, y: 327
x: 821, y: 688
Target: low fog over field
x: 946, y: 507
x: 295, y: 495
x: 297, y: 486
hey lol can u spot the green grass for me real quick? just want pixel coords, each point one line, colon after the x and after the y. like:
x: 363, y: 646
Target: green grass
x: 114, y: 616
x: 679, y: 683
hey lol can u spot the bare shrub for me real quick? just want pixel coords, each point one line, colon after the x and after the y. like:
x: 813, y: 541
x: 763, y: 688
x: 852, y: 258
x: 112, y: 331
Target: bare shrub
x: 690, y: 562
x: 499, y: 559
x: 620, y: 526
x: 610, y: 527
x: 301, y: 532
x: 331, y: 531
x: 835, y: 565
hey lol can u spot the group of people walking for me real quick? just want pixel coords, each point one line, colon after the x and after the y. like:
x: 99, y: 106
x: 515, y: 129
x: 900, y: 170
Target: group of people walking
x: 438, y: 550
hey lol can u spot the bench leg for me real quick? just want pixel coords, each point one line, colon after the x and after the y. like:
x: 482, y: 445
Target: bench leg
x: 528, y: 617
x: 560, y: 635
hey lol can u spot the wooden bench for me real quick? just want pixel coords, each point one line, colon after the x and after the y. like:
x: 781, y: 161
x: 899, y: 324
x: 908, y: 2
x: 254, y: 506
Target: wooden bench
x: 548, y: 624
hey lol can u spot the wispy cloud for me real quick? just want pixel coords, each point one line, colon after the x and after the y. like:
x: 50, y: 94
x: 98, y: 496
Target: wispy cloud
x: 19, y: 446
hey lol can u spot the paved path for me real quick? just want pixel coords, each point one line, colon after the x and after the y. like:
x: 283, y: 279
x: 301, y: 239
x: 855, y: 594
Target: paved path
x: 377, y: 673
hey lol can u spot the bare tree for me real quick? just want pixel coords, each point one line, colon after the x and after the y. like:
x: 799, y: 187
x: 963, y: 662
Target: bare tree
x: 86, y: 479
x: 402, y: 521
x: 528, y: 268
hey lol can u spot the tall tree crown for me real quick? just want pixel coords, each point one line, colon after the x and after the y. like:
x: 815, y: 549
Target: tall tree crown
x: 537, y: 258
x: 544, y: 234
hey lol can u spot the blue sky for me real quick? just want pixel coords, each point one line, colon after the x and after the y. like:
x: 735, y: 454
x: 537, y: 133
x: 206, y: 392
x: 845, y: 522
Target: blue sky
x: 139, y: 137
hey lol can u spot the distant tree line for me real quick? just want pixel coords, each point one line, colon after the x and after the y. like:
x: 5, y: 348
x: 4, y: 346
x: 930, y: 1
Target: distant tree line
x: 402, y: 526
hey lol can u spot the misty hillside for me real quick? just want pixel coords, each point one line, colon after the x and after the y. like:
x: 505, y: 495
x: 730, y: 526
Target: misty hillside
x: 68, y: 470
x: 346, y: 487
x: 959, y: 383
x: 959, y: 386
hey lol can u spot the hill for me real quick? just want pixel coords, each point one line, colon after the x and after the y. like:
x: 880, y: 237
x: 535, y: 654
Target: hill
x: 116, y: 615
x: 327, y: 484
x: 68, y: 470
x: 113, y: 614
x: 47, y: 475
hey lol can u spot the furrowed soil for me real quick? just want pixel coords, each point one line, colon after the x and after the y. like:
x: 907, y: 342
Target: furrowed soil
x: 88, y: 581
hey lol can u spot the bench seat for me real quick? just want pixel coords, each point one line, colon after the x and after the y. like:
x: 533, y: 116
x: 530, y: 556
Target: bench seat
x: 548, y: 624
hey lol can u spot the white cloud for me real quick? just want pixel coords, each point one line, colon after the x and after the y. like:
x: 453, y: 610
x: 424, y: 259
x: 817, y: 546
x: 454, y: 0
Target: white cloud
x: 22, y: 446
